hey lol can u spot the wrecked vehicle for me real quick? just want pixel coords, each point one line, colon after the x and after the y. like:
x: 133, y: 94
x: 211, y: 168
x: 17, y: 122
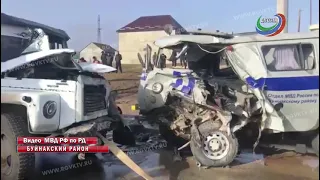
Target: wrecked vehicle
x: 45, y: 93
x: 232, y: 82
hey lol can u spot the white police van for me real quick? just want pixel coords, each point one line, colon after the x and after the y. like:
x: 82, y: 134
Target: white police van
x: 232, y: 83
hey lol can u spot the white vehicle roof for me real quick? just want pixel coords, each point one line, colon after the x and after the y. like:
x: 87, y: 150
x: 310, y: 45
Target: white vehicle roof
x: 280, y: 37
x: 173, y: 40
x: 178, y: 39
x: 19, y: 22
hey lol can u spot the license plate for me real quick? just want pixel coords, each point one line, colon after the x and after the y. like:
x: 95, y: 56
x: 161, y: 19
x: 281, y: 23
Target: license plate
x: 103, y: 125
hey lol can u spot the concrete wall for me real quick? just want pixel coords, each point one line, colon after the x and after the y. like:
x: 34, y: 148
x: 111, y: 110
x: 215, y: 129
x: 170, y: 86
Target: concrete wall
x: 132, y: 43
x: 91, y: 50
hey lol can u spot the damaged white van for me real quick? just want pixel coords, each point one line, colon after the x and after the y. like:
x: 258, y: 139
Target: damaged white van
x: 232, y: 82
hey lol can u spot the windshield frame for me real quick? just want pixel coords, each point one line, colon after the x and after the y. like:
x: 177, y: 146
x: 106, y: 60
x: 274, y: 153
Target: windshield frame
x: 25, y: 42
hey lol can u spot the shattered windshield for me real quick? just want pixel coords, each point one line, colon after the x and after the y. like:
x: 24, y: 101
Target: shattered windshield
x: 12, y: 47
x: 15, y: 45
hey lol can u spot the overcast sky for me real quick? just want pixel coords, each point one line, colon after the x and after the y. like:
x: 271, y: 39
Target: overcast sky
x: 79, y: 17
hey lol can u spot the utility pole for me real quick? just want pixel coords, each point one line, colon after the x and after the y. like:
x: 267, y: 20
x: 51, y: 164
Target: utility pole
x: 99, y: 31
x: 299, y: 20
x: 310, y: 12
x: 282, y: 8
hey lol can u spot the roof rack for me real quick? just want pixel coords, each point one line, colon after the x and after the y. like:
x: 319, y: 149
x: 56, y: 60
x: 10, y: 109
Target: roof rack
x: 15, y: 21
x: 216, y: 33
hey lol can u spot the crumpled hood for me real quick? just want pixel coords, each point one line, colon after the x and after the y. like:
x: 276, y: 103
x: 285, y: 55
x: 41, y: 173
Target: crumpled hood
x: 20, y: 61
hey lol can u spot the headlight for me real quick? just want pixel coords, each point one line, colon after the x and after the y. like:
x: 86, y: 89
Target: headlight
x: 49, y: 109
x: 157, y: 88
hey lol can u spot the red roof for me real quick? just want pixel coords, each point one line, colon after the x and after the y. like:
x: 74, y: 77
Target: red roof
x: 151, y: 23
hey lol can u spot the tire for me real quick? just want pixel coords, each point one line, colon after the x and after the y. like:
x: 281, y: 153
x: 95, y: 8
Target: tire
x: 315, y: 144
x: 13, y: 126
x: 200, y: 156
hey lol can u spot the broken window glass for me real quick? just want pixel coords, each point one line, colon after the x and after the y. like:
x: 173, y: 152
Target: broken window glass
x: 12, y: 47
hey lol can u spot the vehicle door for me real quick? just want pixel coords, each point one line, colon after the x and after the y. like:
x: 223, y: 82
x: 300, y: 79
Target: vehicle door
x: 145, y: 63
x: 292, y: 81
x: 146, y: 68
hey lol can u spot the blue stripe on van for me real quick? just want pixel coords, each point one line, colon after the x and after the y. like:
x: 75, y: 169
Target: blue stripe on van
x: 177, y: 83
x: 176, y: 74
x: 286, y: 83
x: 143, y: 76
x: 187, y: 89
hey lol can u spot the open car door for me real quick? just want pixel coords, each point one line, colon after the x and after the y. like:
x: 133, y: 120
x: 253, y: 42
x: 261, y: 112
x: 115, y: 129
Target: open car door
x: 145, y: 63
x: 146, y: 68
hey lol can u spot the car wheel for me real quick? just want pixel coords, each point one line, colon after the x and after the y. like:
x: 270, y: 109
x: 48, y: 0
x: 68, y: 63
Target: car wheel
x: 14, y: 165
x: 218, y: 149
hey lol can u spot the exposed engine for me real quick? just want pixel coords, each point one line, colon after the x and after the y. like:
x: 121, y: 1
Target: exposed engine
x: 206, y: 105
x: 226, y: 108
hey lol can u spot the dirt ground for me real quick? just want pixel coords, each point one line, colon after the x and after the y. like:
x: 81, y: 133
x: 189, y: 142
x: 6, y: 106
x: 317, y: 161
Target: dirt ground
x: 126, y: 84
x: 160, y: 166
